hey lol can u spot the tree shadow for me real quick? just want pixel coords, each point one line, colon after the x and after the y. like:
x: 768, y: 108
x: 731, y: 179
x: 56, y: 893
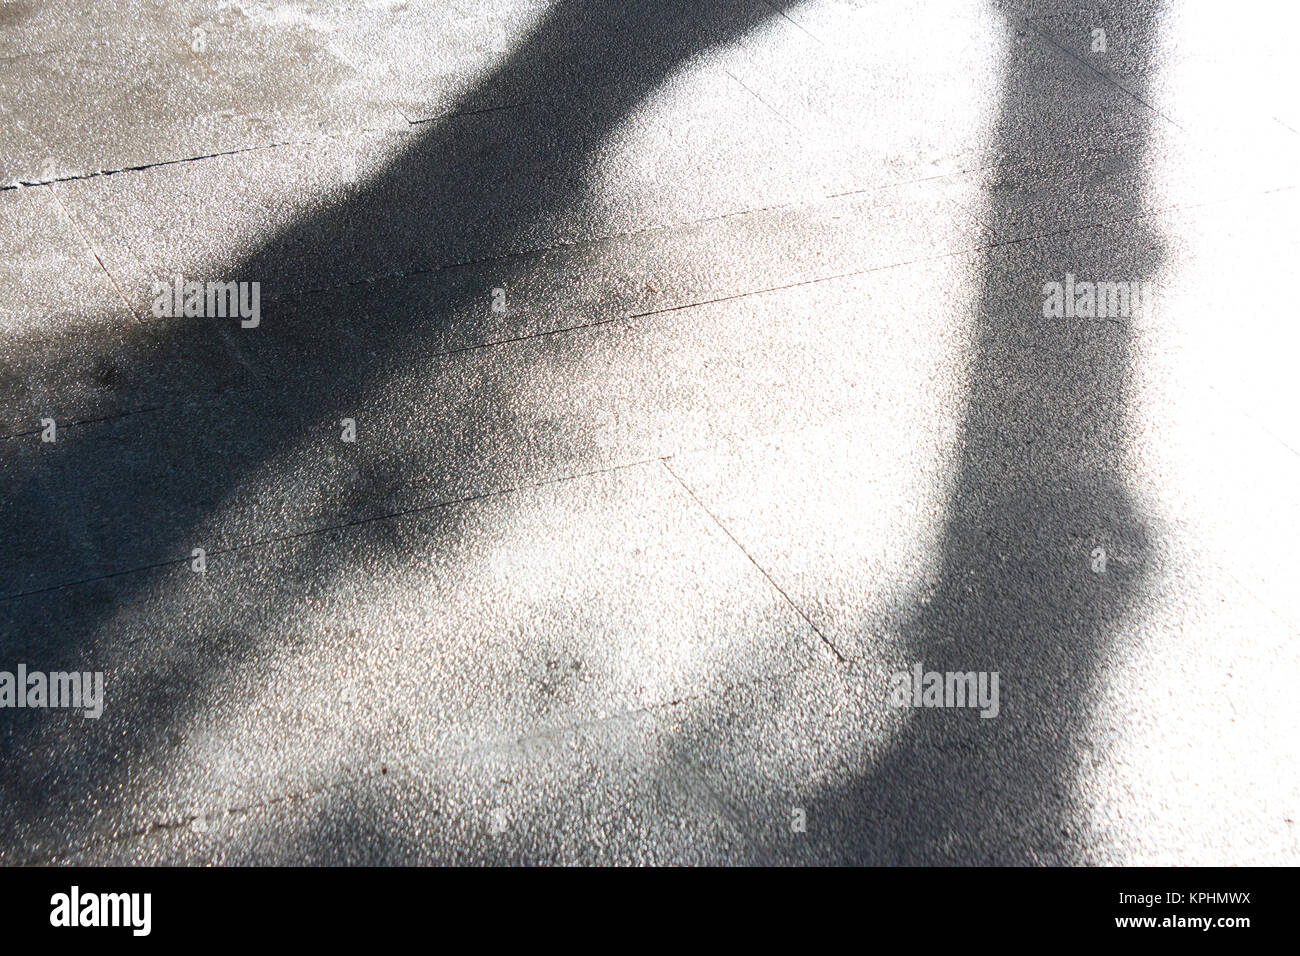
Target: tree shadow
x: 1029, y: 489
x: 1041, y: 485
x: 101, y: 531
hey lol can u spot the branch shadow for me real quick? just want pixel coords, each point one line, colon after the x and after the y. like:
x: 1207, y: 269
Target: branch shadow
x: 1041, y: 483
x: 100, y: 533
x: 950, y: 788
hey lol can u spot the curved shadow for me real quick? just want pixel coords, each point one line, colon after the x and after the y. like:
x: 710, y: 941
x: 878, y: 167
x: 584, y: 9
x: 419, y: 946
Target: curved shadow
x: 950, y: 787
x: 460, y: 193
x: 1041, y: 483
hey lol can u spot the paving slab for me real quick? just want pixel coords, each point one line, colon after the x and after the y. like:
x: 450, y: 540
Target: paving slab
x: 246, y: 681
x: 495, y: 184
x: 1136, y: 759
x: 49, y: 278
x: 595, y: 795
x: 896, y: 91
x: 245, y: 467
x: 218, y: 80
x: 701, y: 379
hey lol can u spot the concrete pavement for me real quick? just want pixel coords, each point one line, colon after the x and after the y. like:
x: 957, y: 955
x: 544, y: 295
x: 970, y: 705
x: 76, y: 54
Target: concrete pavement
x: 700, y: 380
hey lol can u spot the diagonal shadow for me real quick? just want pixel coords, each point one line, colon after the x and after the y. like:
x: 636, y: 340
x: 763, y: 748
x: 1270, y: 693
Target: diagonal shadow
x: 1041, y: 480
x: 100, y: 533
x: 1028, y: 489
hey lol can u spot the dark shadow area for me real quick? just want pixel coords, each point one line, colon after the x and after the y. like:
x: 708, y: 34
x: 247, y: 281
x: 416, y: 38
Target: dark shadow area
x: 95, y: 531
x: 1030, y: 490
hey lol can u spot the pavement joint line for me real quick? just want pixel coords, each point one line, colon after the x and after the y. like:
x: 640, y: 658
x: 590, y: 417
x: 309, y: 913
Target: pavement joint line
x: 273, y: 540
x: 592, y: 243
x: 204, y: 397
x: 90, y: 247
x: 775, y: 112
x: 474, y: 112
x: 761, y: 570
x: 1028, y: 22
x: 21, y: 184
x: 542, y: 333
x: 338, y: 134
x: 172, y: 825
x: 339, y: 50
x: 800, y: 203
x: 816, y: 39
x: 998, y: 164
x: 257, y: 147
x: 804, y: 282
